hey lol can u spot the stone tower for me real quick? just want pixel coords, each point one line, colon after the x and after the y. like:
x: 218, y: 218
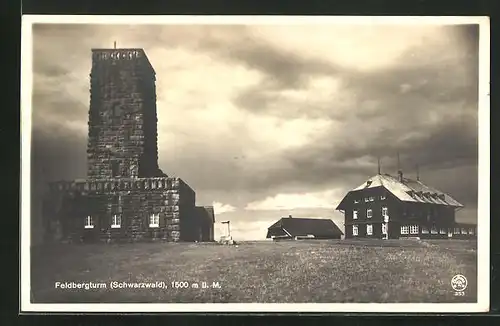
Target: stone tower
x: 125, y: 197
x: 122, y: 116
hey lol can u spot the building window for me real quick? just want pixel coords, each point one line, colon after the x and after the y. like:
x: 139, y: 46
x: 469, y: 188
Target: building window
x: 369, y: 213
x: 456, y: 231
x: 471, y: 231
x: 117, y: 112
x: 382, y: 197
x: 404, y: 229
x: 384, y: 228
x: 425, y: 230
x: 369, y: 229
x: 355, y: 214
x: 116, y: 222
x: 366, y: 199
x: 115, y: 168
x: 464, y: 231
x: 372, y: 198
x: 154, y: 221
x: 385, y: 212
x: 442, y: 231
x: 89, y: 223
x: 354, y: 230
x: 434, y: 230
x: 413, y: 229
x: 356, y: 201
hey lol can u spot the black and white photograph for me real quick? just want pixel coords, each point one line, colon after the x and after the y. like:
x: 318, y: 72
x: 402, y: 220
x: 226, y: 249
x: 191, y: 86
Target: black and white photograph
x: 255, y: 163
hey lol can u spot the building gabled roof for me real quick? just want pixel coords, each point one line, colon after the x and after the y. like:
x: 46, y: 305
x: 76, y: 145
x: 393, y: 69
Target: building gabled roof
x: 308, y: 226
x: 408, y: 190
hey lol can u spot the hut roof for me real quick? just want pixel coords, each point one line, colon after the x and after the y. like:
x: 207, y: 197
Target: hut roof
x: 307, y: 226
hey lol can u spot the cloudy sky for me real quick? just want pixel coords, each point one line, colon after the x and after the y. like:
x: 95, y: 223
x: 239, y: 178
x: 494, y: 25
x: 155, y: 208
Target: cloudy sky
x: 267, y: 121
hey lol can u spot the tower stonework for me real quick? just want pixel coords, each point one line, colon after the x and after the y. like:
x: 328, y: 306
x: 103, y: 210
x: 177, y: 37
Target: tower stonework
x: 125, y: 197
x: 122, y: 116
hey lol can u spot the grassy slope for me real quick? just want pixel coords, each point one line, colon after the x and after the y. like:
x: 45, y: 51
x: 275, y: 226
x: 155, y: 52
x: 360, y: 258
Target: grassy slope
x: 300, y: 271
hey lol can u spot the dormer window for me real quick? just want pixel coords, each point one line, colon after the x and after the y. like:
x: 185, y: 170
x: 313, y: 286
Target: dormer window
x: 366, y: 199
x: 371, y: 198
x: 382, y: 197
x: 356, y: 201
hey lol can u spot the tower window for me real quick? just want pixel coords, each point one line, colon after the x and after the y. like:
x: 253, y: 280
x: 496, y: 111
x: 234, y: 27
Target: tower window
x: 117, y: 112
x: 115, y: 168
x: 89, y: 223
x: 116, y: 222
x: 154, y: 220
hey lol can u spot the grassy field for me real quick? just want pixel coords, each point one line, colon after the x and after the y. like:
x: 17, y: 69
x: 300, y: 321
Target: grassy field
x: 281, y: 272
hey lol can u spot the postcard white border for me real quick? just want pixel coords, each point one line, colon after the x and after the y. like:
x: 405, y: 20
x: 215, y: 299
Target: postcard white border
x: 483, y: 226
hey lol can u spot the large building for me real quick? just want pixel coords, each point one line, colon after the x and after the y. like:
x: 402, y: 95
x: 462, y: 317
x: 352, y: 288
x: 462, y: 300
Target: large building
x: 126, y: 196
x: 303, y: 228
x: 389, y: 207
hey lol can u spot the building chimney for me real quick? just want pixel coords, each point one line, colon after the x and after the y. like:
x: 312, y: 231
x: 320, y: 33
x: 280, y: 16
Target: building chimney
x: 378, y: 161
x: 400, y: 173
x: 289, y: 216
x: 114, y: 44
x: 418, y: 174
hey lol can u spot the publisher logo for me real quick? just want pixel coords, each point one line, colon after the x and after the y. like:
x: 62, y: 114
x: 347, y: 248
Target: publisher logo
x: 459, y: 283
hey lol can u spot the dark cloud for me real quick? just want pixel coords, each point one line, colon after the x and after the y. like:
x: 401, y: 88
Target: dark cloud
x: 57, y: 158
x: 283, y: 69
x: 419, y: 80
